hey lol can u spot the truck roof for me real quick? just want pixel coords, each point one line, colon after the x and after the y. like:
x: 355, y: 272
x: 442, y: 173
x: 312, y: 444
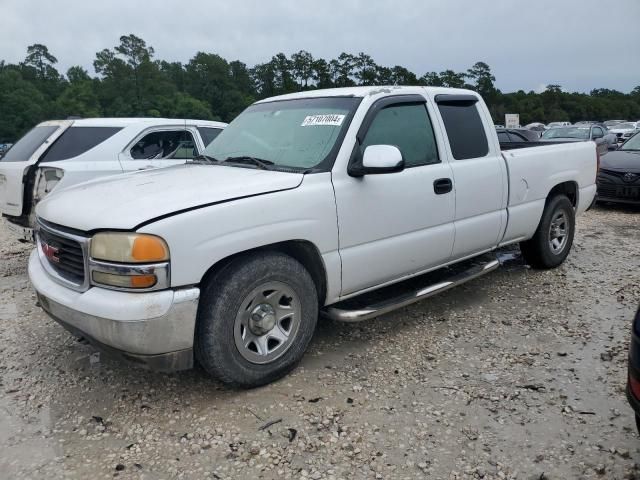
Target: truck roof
x: 126, y: 121
x: 365, y: 92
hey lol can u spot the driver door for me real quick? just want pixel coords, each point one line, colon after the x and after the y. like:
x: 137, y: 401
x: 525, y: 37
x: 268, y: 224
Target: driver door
x: 394, y: 225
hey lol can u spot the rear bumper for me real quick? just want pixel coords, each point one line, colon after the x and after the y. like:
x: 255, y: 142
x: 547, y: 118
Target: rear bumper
x: 585, y: 198
x: 153, y: 329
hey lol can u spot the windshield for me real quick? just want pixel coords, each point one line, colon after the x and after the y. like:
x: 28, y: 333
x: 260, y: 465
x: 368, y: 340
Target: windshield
x: 294, y: 134
x: 632, y: 144
x: 581, y: 133
x: 625, y: 126
x: 27, y: 145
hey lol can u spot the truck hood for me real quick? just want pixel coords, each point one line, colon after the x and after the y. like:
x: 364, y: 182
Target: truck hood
x: 126, y: 201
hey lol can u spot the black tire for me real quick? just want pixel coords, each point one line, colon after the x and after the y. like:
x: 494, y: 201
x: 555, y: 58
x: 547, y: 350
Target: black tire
x: 221, y: 301
x: 638, y: 423
x: 538, y: 251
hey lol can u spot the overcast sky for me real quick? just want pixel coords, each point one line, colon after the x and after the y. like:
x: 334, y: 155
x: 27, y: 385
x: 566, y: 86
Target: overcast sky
x: 579, y: 44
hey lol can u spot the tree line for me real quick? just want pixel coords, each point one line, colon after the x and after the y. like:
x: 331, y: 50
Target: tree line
x: 130, y: 81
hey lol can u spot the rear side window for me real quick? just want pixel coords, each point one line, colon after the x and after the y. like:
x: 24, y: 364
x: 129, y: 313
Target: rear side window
x: 407, y: 127
x: 208, y: 134
x: 27, y: 145
x: 465, y: 130
x: 76, y: 141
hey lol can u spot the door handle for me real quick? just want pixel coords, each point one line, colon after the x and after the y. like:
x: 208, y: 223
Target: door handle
x: 442, y: 186
x: 146, y: 167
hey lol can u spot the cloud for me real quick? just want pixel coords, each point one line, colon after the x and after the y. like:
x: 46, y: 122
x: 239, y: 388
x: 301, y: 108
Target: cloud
x: 566, y: 42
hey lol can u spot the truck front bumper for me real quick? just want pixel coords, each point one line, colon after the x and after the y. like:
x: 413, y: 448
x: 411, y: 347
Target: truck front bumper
x: 154, y: 330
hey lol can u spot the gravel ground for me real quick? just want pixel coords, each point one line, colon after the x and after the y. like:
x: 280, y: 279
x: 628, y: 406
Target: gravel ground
x: 519, y: 374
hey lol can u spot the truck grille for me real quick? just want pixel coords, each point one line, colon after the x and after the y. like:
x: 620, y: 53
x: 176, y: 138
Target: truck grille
x: 62, y: 255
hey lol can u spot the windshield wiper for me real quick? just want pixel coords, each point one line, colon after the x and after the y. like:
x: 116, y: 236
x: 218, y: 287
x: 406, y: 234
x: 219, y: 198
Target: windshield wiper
x: 258, y: 162
x: 202, y: 159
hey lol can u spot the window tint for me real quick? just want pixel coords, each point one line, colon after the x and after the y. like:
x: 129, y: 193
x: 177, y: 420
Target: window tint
x: 27, y: 145
x: 516, y: 137
x: 76, y: 141
x: 409, y: 128
x: 597, y: 132
x: 208, y: 134
x: 170, y: 144
x: 465, y: 130
x: 503, y: 137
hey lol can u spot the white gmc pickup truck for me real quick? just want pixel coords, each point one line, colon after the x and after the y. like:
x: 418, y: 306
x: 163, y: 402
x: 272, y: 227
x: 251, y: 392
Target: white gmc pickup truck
x: 346, y: 203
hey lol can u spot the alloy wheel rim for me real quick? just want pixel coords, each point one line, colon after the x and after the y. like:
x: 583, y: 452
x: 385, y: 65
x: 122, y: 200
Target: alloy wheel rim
x: 558, y: 232
x: 267, y: 322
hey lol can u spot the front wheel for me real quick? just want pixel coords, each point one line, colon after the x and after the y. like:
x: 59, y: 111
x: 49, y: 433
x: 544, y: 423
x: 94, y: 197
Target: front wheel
x: 256, y: 318
x: 550, y: 245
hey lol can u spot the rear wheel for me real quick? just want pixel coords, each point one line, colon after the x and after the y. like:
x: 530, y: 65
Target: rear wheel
x: 256, y: 318
x: 550, y: 245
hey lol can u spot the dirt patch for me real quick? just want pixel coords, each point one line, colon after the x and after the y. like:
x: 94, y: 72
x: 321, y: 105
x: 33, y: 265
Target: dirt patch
x: 519, y: 374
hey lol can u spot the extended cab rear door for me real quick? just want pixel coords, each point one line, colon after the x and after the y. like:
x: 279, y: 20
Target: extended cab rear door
x: 479, y: 173
x: 395, y: 224
x: 15, y: 164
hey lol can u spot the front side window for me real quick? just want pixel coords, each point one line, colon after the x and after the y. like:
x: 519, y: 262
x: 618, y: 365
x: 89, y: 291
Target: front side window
x: 289, y: 134
x: 407, y: 127
x: 76, y: 141
x: 465, y: 130
x: 208, y: 134
x: 597, y: 132
x: 28, y: 144
x: 168, y: 144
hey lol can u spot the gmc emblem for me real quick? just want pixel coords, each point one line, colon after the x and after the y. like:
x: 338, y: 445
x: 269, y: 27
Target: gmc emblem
x: 49, y: 252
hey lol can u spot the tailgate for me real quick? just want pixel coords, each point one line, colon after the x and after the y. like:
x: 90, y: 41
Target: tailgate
x: 16, y: 162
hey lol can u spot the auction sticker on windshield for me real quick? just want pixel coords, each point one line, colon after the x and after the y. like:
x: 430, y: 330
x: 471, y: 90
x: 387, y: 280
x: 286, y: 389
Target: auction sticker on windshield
x: 320, y: 120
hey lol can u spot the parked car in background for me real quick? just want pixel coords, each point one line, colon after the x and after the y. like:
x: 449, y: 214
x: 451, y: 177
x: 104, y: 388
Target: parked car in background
x: 506, y: 135
x: 611, y: 123
x: 558, y: 124
x: 624, y: 131
x: 619, y: 175
x: 322, y: 201
x: 610, y: 137
x: 574, y: 133
x: 536, y: 127
x: 497, y: 125
x: 60, y: 153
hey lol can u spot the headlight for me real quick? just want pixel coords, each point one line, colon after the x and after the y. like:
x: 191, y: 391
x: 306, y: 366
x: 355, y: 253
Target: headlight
x: 128, y: 248
x: 129, y: 261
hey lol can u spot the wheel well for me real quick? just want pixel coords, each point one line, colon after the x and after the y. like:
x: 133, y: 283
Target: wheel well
x: 570, y: 189
x: 303, y: 251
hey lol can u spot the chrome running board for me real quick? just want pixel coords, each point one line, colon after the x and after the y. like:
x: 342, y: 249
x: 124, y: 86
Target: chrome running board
x: 364, y: 307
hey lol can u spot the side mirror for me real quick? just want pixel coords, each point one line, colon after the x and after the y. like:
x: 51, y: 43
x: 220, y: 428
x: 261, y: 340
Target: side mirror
x: 378, y: 159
